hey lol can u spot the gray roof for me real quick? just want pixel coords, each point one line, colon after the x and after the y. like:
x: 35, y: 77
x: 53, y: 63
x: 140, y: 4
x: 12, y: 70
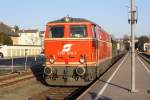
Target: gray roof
x: 28, y: 31
x: 7, y: 30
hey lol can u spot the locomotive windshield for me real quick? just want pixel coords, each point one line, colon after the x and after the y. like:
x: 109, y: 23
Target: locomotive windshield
x: 56, y: 32
x: 78, y: 31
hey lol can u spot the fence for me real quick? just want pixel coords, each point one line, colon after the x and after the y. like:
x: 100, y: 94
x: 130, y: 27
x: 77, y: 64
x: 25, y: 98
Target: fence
x: 12, y: 65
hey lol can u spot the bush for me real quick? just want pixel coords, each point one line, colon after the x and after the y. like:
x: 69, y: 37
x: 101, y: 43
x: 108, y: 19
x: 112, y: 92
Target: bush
x: 5, y: 39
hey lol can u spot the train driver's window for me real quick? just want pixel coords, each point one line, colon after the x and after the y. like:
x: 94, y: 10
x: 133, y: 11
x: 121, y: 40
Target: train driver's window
x: 56, y: 32
x: 78, y: 31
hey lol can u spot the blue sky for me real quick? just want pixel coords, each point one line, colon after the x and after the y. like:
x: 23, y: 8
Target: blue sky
x: 110, y: 14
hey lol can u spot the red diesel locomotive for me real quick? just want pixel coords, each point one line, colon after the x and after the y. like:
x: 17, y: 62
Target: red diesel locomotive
x: 76, y: 51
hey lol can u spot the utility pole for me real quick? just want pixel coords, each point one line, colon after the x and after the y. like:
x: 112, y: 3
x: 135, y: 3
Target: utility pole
x: 133, y: 20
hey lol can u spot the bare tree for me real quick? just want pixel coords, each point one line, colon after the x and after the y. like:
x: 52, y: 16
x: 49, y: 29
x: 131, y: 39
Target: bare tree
x: 126, y: 41
x: 141, y: 40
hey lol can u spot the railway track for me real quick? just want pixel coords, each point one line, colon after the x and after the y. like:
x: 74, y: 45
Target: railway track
x: 52, y: 93
x: 145, y: 58
x: 62, y: 93
x: 56, y: 93
x: 11, y: 79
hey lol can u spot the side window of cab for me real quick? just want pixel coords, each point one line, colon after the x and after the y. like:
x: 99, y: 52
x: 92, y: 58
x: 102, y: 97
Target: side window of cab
x: 93, y: 31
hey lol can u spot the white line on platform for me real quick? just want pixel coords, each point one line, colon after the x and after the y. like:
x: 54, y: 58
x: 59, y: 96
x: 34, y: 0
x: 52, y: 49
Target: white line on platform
x: 108, y: 81
x: 144, y: 65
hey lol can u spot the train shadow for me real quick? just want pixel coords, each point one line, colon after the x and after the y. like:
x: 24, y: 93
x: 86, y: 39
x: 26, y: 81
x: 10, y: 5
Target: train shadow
x: 38, y: 70
x: 94, y: 97
x: 118, y: 86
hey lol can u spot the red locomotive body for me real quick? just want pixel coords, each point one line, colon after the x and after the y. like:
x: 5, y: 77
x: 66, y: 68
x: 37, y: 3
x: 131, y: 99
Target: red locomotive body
x: 76, y: 51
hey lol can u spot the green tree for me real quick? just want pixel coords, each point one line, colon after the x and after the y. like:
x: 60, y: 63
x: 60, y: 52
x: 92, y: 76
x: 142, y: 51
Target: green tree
x: 16, y: 28
x: 5, y: 39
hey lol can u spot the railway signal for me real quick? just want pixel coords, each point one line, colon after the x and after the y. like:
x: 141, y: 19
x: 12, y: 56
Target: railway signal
x: 132, y: 20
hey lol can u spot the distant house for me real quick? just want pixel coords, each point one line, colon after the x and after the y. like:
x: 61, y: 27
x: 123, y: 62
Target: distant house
x: 22, y: 37
x: 8, y: 31
x: 29, y: 37
x: 147, y: 47
x: 120, y: 44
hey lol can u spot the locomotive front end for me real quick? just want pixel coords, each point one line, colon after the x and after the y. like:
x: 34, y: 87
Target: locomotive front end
x: 67, y: 53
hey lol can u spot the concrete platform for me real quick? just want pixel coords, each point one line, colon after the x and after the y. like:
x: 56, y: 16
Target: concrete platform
x: 117, y: 84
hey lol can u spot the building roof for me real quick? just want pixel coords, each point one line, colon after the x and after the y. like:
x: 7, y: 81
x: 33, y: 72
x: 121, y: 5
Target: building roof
x: 28, y: 31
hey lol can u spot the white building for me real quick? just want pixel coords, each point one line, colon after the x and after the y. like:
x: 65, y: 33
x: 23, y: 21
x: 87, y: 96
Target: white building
x: 147, y: 47
x: 29, y: 37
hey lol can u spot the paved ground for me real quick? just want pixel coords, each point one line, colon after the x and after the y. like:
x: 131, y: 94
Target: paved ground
x: 22, y: 90
x: 117, y: 84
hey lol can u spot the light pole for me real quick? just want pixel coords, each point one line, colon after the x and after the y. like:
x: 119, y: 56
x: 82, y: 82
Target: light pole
x: 25, y: 67
x: 133, y: 20
x: 12, y: 61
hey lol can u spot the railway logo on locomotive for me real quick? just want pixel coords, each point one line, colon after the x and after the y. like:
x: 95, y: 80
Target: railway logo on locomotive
x: 66, y: 48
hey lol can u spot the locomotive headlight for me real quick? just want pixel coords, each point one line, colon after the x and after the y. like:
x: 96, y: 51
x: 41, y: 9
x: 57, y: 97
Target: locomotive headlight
x: 48, y: 70
x: 82, y: 59
x: 80, y: 70
x: 51, y: 60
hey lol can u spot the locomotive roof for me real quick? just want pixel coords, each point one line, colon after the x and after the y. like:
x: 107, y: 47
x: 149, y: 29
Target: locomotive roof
x: 70, y: 19
x: 63, y: 20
